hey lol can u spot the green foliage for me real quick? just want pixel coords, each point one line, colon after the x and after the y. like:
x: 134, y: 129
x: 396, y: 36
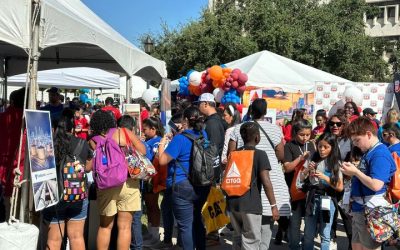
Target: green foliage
x: 330, y: 37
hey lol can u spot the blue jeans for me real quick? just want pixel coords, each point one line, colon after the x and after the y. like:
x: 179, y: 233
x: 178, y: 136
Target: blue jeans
x: 311, y: 226
x: 167, y: 215
x: 294, y: 234
x: 187, y: 204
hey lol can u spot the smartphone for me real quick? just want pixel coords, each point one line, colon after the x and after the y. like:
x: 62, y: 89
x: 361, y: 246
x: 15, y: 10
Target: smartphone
x: 173, y: 126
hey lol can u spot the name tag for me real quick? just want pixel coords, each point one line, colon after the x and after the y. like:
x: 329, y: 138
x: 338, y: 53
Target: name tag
x: 326, y: 203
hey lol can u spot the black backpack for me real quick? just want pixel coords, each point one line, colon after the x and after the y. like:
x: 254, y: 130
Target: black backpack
x: 203, y: 158
x: 71, y: 175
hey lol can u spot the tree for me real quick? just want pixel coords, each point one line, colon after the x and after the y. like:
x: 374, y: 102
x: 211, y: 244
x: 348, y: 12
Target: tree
x: 330, y: 37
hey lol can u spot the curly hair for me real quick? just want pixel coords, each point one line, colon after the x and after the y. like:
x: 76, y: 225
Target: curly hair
x: 62, y: 137
x: 101, y: 122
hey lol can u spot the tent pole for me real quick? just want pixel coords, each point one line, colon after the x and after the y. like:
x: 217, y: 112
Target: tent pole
x: 5, y: 83
x: 26, y: 194
x: 128, y: 89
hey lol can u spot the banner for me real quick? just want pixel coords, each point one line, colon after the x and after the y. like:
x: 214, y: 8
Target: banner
x: 165, y: 103
x: 396, y: 88
x: 283, y: 102
x: 378, y: 96
x: 41, y: 159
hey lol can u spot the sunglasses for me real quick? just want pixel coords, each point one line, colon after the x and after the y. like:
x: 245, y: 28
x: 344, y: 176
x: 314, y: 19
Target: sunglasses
x: 338, y: 124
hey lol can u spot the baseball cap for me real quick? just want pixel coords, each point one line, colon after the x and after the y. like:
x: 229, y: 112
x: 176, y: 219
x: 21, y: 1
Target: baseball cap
x: 54, y: 90
x: 369, y: 111
x: 206, y: 97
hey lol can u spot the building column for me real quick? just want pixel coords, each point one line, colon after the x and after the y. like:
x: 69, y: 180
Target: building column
x: 385, y: 16
x: 396, y: 14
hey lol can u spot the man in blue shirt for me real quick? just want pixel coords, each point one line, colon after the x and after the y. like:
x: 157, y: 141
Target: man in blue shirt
x: 55, y: 106
x: 370, y: 179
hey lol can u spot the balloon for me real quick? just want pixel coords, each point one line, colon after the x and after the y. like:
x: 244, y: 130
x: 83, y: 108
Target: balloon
x: 189, y: 73
x: 226, y: 70
x: 230, y: 96
x: 151, y: 96
x: 218, y: 94
x: 195, y: 90
x: 83, y: 98
x: 195, y: 78
x: 243, y: 78
x: 216, y: 72
x: 215, y: 84
x: 183, y: 86
x: 206, y: 87
x: 236, y: 71
x: 234, y: 76
x: 241, y: 89
x: 235, y: 84
x: 226, y: 74
x: 223, y: 66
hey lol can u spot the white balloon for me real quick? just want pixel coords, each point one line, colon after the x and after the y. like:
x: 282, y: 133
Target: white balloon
x: 195, y: 78
x: 150, y: 96
x: 218, y: 94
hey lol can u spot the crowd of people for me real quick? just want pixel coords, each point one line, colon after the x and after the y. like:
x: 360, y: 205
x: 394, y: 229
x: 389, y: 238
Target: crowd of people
x: 299, y: 173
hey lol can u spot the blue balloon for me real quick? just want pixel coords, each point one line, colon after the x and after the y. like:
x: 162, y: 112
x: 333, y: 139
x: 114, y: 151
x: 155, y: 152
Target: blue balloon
x: 183, y: 86
x: 231, y: 96
x: 223, y: 66
x: 84, y: 91
x: 83, y: 98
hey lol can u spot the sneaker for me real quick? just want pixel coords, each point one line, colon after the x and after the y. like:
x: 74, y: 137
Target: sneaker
x: 333, y: 245
x: 162, y: 245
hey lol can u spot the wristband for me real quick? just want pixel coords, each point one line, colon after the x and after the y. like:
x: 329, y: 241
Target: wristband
x: 274, y: 205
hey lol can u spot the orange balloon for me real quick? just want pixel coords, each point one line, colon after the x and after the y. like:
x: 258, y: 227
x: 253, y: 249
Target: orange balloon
x: 216, y: 72
x: 227, y: 70
x: 194, y: 90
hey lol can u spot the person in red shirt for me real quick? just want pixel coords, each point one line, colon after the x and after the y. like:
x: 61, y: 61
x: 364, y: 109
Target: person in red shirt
x: 81, y: 124
x: 351, y: 111
x: 109, y: 107
x: 320, y: 119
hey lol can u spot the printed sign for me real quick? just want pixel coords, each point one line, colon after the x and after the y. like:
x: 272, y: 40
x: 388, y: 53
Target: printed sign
x: 41, y: 159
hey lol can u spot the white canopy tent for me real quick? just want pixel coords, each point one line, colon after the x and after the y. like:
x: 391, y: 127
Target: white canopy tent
x: 267, y: 69
x: 71, y: 35
x: 71, y: 78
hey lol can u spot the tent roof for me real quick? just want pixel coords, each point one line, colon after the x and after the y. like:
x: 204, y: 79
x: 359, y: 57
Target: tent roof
x: 71, y: 78
x: 267, y: 69
x: 71, y: 36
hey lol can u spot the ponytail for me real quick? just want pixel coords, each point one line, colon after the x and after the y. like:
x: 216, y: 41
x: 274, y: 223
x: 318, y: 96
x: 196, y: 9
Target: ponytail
x: 194, y: 117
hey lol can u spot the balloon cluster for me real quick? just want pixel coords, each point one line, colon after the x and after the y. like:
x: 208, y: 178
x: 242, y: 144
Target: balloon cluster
x: 226, y: 84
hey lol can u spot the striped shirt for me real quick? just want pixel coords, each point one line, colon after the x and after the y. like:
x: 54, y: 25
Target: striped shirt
x: 281, y: 190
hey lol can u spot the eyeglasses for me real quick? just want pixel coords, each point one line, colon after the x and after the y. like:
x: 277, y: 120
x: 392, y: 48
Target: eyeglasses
x: 338, y: 124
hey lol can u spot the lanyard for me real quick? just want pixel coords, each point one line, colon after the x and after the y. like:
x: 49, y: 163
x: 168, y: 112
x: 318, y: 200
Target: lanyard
x: 305, y: 148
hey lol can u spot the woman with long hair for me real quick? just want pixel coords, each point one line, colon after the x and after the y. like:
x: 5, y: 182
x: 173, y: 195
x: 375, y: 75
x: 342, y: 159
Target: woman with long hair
x: 298, y: 114
x: 122, y: 200
x: 67, y: 214
x: 351, y: 111
x: 187, y: 199
x: 325, y: 180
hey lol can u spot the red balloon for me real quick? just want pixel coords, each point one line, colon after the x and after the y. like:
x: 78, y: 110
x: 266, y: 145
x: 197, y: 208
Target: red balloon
x: 235, y: 76
x: 226, y: 88
x: 228, y: 84
x: 241, y: 89
x: 235, y: 84
x: 236, y: 71
x: 243, y: 78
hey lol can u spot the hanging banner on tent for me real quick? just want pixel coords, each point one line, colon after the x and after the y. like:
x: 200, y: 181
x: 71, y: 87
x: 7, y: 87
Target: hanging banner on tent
x: 378, y: 96
x: 41, y: 159
x: 283, y: 102
x: 165, y: 103
x: 396, y: 84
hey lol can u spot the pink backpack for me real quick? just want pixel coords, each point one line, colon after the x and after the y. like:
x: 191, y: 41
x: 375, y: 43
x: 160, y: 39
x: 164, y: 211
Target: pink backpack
x: 110, y: 166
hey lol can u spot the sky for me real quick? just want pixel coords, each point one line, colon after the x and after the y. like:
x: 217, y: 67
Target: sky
x: 133, y: 18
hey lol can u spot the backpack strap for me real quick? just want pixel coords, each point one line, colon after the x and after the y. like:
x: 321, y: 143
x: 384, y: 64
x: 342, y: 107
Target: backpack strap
x: 78, y: 147
x: 265, y: 133
x: 191, y: 136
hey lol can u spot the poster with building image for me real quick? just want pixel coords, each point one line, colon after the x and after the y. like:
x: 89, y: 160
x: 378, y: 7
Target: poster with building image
x: 134, y: 111
x: 41, y: 159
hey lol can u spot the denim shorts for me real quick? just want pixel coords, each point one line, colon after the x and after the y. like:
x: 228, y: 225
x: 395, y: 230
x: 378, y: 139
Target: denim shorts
x: 65, y: 211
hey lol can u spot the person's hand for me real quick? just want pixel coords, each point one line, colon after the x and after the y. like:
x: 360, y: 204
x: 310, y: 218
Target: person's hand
x: 348, y: 169
x: 224, y: 161
x: 321, y: 176
x: 304, y: 156
x: 275, y: 213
